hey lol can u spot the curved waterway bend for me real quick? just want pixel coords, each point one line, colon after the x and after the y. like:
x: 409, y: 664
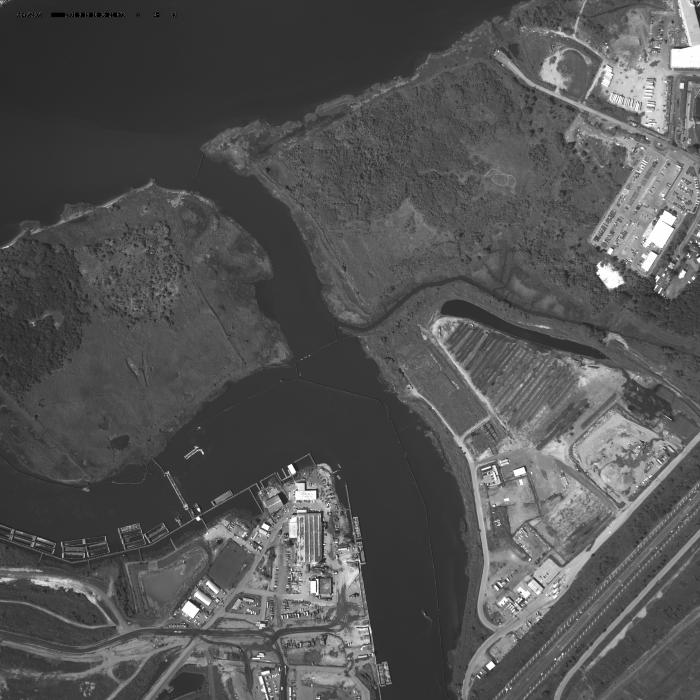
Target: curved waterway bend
x: 465, y: 309
x: 332, y: 404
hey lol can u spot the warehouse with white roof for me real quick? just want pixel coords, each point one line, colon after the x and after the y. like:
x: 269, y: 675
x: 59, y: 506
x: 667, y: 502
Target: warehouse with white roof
x: 658, y: 235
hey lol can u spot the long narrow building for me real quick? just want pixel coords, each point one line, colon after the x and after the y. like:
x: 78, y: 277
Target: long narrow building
x: 309, y: 537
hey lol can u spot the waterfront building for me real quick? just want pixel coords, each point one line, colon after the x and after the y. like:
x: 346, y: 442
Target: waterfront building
x: 309, y: 537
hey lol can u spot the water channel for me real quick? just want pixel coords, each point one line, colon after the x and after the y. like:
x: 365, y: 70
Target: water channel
x: 95, y: 108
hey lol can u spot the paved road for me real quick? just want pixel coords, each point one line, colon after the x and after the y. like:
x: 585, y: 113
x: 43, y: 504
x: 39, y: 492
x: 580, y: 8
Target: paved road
x: 657, y: 584
x: 569, y: 636
x: 507, y: 63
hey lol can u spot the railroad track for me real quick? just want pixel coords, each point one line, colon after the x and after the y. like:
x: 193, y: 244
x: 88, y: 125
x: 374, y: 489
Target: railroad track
x: 572, y: 631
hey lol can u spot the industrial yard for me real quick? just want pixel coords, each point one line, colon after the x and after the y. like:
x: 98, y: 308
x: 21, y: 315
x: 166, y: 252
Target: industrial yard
x: 636, y: 75
x: 567, y: 446
x: 622, y: 456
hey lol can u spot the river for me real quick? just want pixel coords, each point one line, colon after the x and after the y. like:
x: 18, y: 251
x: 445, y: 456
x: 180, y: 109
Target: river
x: 92, y: 108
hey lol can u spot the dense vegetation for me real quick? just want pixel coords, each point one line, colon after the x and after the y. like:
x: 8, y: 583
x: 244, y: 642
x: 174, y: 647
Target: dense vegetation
x: 35, y: 624
x: 42, y: 311
x: 69, y: 604
x: 399, y: 187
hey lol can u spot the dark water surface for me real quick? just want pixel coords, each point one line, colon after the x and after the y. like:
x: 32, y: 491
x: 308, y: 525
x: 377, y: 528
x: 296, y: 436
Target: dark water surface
x: 93, y: 107
x: 465, y: 309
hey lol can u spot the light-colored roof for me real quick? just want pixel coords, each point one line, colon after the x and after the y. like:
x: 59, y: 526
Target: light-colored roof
x: 212, y: 586
x: 189, y: 609
x: 684, y: 59
x: 648, y: 260
x: 690, y: 21
x: 610, y: 277
x: 668, y: 218
x: 202, y: 597
x: 658, y: 234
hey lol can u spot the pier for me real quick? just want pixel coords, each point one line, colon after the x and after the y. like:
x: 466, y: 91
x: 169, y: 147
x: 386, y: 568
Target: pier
x: 178, y: 493
x: 25, y: 539
x: 132, y: 537
x: 357, y: 534
x: 84, y: 548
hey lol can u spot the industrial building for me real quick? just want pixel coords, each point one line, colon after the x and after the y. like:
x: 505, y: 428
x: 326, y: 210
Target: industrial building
x: 309, y: 537
x: 490, y: 476
x: 648, y: 260
x: 303, y: 494
x: 202, y: 598
x: 209, y: 584
x: 190, y: 610
x: 659, y: 233
x: 546, y: 572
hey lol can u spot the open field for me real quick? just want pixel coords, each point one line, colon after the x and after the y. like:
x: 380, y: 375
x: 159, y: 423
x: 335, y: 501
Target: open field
x: 69, y: 604
x: 102, y: 347
x: 165, y: 581
x: 16, y: 617
x: 97, y: 687
x: 434, y: 378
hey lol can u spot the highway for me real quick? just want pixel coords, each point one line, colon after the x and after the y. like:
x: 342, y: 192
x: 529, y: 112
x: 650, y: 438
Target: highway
x: 670, y: 532
x: 656, y: 585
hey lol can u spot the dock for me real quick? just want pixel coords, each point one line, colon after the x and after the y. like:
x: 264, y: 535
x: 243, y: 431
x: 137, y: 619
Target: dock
x: 84, y: 548
x: 357, y: 534
x: 156, y: 533
x: 131, y: 536
x: 225, y: 496
x: 178, y: 493
x: 10, y: 534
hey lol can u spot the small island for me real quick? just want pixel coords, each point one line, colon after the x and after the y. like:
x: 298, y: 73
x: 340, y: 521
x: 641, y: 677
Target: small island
x: 103, y: 315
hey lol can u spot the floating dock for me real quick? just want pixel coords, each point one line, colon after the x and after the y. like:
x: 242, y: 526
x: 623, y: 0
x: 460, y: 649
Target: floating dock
x: 384, y: 675
x: 225, y: 496
x: 132, y: 536
x: 84, y: 548
x: 357, y: 534
x: 10, y: 534
x: 156, y: 533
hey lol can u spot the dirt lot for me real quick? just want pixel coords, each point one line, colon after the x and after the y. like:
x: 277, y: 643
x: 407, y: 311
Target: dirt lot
x: 619, y: 454
x: 166, y: 580
x: 569, y: 522
x: 102, y: 356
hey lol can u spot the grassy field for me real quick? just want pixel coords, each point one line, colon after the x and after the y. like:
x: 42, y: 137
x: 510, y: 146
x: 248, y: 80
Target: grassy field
x: 102, y: 345
x: 70, y: 604
x: 15, y: 659
x: 97, y: 687
x: 165, y: 581
x: 39, y: 625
